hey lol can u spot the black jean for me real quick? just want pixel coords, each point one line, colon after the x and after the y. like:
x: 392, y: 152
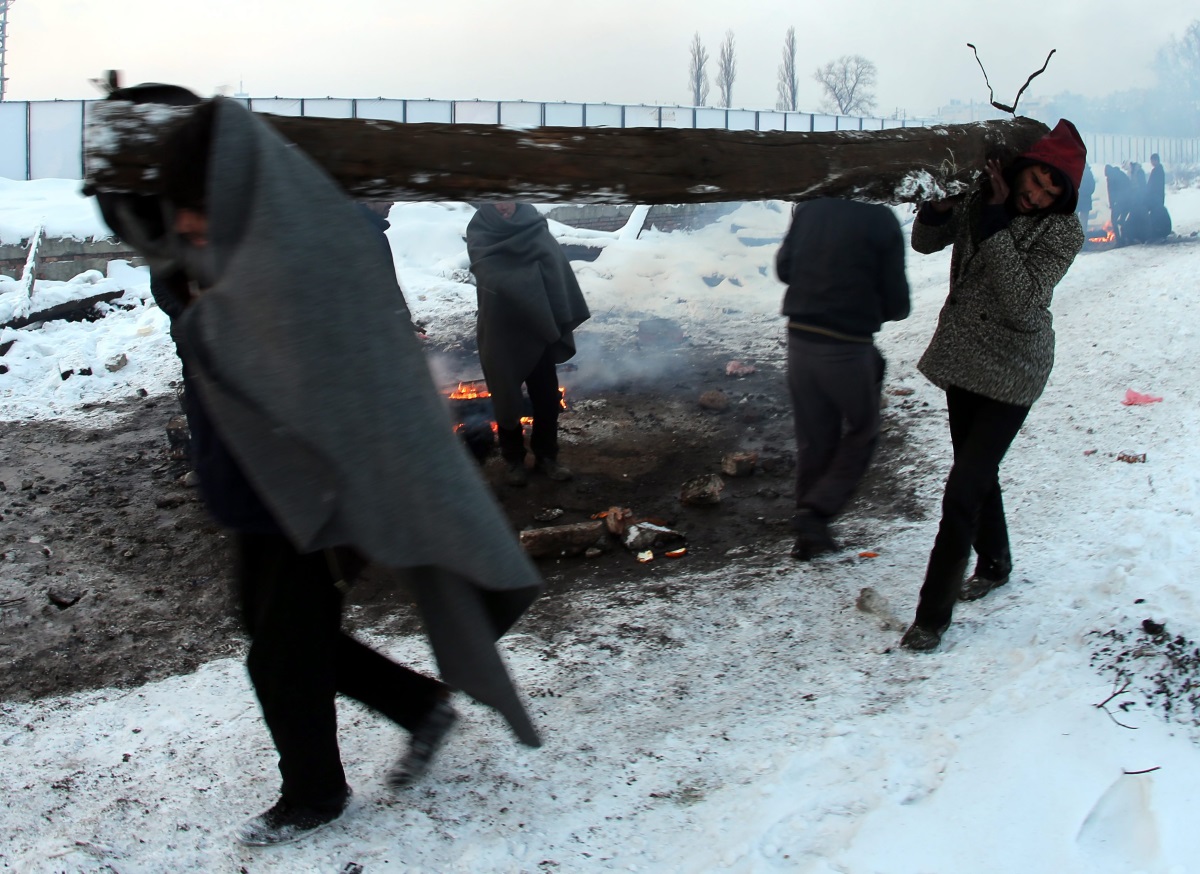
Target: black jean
x: 300, y: 659
x: 545, y: 400
x: 981, y: 430
x: 835, y: 390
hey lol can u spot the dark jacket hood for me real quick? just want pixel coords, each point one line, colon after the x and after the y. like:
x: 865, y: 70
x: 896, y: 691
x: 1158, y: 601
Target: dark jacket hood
x: 1062, y: 149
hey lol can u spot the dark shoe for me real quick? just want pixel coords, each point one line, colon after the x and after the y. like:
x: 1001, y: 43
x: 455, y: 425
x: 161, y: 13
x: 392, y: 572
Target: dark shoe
x: 555, y: 471
x: 515, y: 474
x: 426, y: 740
x: 989, y: 574
x: 920, y: 639
x: 286, y: 822
x: 812, y: 535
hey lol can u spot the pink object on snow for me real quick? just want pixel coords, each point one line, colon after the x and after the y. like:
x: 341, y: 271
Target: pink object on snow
x: 1136, y: 397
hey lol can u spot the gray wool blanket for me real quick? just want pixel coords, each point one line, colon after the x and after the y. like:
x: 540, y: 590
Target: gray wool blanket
x: 306, y: 360
x: 529, y: 300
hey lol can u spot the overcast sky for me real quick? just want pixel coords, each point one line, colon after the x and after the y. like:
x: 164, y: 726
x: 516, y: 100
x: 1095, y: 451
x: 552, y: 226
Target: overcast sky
x: 619, y: 51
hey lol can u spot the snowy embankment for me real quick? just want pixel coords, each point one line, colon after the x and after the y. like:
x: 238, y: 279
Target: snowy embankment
x: 753, y: 719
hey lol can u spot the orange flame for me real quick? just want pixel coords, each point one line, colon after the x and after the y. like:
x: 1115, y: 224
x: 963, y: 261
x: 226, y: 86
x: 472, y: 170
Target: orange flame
x: 1109, y: 236
x: 468, y: 390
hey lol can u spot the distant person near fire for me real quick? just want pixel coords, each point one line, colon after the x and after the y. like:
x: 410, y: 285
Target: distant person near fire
x: 1158, y: 219
x: 1013, y: 242
x: 1120, y: 203
x: 1087, y: 189
x: 843, y: 263
x: 321, y: 443
x: 1138, y: 226
x: 529, y: 305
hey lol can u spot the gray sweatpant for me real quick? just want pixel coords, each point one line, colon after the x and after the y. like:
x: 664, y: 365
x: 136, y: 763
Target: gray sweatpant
x: 835, y: 388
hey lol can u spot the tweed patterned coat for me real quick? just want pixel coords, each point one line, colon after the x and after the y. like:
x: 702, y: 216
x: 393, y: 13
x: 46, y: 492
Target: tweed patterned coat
x: 995, y: 334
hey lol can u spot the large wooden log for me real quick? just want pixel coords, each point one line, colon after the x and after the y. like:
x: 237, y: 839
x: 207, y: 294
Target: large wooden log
x: 378, y: 160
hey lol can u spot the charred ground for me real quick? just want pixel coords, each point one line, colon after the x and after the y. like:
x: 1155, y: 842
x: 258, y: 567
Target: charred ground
x: 111, y: 573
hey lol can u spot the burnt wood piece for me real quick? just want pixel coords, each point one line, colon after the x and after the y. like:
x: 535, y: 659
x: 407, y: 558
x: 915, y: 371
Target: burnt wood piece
x: 71, y: 310
x: 385, y: 160
x: 559, y: 540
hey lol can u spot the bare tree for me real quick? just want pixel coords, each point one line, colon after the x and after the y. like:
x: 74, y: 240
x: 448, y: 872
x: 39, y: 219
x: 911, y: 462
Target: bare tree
x: 789, y: 85
x: 698, y: 73
x: 726, y: 70
x: 849, y: 84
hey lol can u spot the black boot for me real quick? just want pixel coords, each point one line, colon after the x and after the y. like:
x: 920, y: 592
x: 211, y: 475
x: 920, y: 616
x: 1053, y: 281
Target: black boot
x: 812, y: 534
x: 990, y: 573
x: 943, y: 582
x: 512, y: 450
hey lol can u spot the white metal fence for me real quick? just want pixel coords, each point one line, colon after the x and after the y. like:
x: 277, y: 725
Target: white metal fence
x: 44, y: 138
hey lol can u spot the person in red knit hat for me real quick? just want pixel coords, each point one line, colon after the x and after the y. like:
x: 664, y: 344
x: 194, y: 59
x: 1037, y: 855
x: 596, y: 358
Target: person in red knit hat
x: 1014, y: 239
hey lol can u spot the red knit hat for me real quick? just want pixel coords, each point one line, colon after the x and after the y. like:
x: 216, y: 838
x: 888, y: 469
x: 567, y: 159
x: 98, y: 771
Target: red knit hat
x: 1062, y: 149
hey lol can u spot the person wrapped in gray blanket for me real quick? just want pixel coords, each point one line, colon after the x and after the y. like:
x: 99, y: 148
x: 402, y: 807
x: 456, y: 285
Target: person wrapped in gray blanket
x: 529, y: 305
x: 302, y: 365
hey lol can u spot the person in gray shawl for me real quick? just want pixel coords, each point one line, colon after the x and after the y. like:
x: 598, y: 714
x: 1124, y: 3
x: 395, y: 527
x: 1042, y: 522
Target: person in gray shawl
x: 328, y: 447
x: 529, y: 304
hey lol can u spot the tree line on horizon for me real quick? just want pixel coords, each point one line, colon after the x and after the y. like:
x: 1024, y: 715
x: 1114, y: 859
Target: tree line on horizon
x: 1170, y: 108
x: 848, y: 82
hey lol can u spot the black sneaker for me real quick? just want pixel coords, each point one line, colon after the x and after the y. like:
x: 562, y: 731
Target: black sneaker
x: 286, y: 822
x: 989, y: 575
x: 426, y: 740
x: 919, y: 639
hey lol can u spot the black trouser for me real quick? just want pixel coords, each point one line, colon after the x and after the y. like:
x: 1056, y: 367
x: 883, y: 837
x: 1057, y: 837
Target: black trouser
x: 981, y: 430
x: 545, y: 398
x: 835, y: 390
x: 300, y: 659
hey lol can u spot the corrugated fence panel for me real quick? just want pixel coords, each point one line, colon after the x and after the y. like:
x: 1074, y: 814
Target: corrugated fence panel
x: 710, y: 119
x: 277, y: 105
x: 798, y: 122
x: 677, y: 116
x: 328, y: 107
x: 476, y: 112
x: 641, y: 116
x: 13, y: 144
x: 741, y: 119
x: 384, y: 110
x: 56, y: 139
x: 603, y: 115
x: 771, y: 121
x: 564, y: 115
x: 521, y: 113
x: 440, y: 111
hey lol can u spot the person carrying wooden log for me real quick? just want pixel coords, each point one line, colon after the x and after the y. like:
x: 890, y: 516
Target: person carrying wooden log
x: 1013, y: 242
x: 843, y: 263
x: 324, y: 445
x: 529, y: 306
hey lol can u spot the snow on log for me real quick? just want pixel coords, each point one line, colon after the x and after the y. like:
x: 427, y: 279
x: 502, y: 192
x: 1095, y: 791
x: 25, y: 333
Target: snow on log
x: 394, y: 161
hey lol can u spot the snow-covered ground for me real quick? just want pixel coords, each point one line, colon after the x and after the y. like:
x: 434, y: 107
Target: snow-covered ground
x: 757, y: 721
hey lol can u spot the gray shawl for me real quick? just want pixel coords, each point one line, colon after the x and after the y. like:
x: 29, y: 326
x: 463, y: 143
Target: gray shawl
x: 529, y: 300
x: 306, y: 360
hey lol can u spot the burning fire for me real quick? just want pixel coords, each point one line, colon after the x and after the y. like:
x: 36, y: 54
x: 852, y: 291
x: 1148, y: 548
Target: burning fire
x: 477, y: 390
x: 469, y: 390
x: 1109, y: 236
